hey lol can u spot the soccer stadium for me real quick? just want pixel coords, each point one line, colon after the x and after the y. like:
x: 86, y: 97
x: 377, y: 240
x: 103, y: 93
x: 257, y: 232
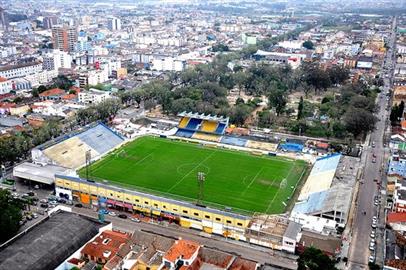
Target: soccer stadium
x: 170, y: 168
x: 198, y: 177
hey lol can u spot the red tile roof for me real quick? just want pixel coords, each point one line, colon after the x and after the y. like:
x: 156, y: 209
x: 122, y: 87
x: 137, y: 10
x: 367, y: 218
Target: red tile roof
x: 107, y: 241
x: 2, y: 79
x: 182, y: 248
x: 69, y: 96
x: 394, y: 217
x: 52, y: 92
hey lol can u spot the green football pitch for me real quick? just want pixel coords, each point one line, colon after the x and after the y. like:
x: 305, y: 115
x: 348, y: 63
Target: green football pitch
x: 238, y: 180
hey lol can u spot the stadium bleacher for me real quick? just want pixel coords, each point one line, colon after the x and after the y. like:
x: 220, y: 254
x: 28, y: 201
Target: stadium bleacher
x: 184, y: 133
x: 69, y: 150
x: 100, y: 139
x: 193, y: 124
x: 206, y: 137
x: 209, y: 126
x: 221, y: 128
x: 183, y: 122
x: 234, y: 141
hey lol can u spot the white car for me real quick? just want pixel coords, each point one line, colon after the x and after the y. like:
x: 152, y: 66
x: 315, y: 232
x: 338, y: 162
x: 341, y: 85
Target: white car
x: 372, y: 235
x: 135, y: 220
x: 112, y: 214
x: 371, y: 259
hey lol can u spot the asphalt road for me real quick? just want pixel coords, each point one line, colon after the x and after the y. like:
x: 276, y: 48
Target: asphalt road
x: 243, y: 249
x: 359, y: 249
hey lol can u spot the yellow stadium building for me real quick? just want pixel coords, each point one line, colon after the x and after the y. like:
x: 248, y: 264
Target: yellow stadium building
x: 186, y: 214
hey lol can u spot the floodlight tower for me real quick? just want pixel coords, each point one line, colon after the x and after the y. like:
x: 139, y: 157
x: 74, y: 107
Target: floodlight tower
x: 88, y: 156
x: 201, y: 176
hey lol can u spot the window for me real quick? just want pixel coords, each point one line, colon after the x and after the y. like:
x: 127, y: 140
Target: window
x: 239, y: 223
x: 175, y: 210
x: 206, y: 216
x: 196, y: 214
x: 155, y: 204
x: 164, y: 206
x: 146, y: 202
x: 137, y: 200
x: 218, y: 219
x: 185, y: 211
x: 228, y: 221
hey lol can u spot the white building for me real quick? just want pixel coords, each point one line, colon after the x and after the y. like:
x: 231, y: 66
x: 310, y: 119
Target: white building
x: 57, y: 59
x: 93, y: 77
x: 41, y: 77
x: 168, y: 64
x: 114, y: 24
x: 5, y: 86
x: 93, y: 96
x: 22, y: 70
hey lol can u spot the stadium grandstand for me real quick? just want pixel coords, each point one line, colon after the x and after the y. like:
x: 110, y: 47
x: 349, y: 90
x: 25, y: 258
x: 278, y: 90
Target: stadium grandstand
x: 321, y: 176
x: 70, y: 150
x: 327, y: 193
x: 201, y: 126
x: 213, y: 129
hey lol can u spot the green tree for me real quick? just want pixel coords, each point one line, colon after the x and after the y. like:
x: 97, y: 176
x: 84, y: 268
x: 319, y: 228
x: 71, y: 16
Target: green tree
x: 308, y: 44
x: 314, y: 259
x: 359, y: 121
x: 277, y: 100
x: 10, y: 215
x: 300, y: 109
x: 338, y: 75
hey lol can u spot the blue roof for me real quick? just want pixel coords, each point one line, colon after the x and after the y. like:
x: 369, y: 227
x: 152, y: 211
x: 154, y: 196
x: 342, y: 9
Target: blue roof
x: 396, y: 167
x: 326, y: 163
x: 100, y: 138
x: 313, y: 204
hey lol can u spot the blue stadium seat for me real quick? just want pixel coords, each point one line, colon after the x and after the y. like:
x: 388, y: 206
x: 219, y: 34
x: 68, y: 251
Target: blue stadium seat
x: 220, y: 128
x: 193, y: 123
x: 234, y: 141
x: 100, y: 138
x: 184, y: 133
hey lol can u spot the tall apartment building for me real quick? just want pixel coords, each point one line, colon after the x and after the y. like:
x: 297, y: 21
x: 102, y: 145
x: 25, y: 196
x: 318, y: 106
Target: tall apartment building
x: 114, y: 24
x: 49, y: 21
x: 64, y: 37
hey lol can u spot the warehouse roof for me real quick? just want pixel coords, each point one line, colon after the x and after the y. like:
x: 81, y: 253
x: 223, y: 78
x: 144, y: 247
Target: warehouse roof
x: 48, y: 243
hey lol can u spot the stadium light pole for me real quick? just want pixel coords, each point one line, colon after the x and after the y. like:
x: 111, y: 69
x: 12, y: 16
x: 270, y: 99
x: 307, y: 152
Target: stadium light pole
x: 88, y: 156
x: 201, y: 176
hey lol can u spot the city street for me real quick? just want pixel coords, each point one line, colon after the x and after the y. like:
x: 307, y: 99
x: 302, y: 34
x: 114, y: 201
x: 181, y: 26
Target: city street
x: 365, y: 207
x: 245, y: 250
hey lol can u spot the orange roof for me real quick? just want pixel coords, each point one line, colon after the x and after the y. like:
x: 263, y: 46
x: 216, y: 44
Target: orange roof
x: 69, y: 96
x: 109, y: 242
x: 403, y: 124
x: 52, y: 92
x: 2, y: 79
x: 182, y: 248
x: 396, y: 217
x: 7, y: 105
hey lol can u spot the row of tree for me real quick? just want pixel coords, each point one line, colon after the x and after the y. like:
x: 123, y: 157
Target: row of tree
x: 18, y: 146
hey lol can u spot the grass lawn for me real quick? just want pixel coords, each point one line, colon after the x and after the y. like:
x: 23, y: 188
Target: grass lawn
x: 234, y: 179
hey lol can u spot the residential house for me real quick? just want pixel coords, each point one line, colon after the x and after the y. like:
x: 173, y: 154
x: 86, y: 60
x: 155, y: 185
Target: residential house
x: 52, y: 94
x: 105, y: 246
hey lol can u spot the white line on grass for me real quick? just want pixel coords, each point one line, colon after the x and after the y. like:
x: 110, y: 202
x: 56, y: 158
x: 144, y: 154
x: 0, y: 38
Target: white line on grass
x: 252, y: 181
x: 186, y: 175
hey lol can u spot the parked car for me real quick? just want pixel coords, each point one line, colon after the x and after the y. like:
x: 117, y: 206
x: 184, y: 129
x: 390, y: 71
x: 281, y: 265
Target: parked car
x: 123, y: 216
x: 371, y: 259
x: 135, y: 219
x: 78, y: 205
x: 372, y: 235
x: 44, y: 205
x: 112, y: 214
